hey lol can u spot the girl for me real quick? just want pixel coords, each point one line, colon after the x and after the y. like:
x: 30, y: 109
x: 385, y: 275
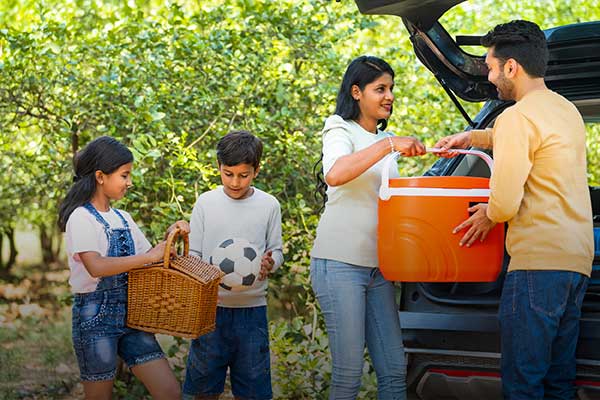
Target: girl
x: 103, y: 243
x: 357, y: 302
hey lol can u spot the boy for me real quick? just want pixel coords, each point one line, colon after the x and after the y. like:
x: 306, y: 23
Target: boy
x: 240, y: 341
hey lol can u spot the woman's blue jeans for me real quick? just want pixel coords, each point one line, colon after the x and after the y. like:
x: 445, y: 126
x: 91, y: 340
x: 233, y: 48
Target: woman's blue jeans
x: 359, y: 307
x: 539, y: 326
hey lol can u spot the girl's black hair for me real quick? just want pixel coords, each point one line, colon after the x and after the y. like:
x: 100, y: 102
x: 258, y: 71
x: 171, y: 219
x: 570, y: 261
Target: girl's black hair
x: 104, y: 154
x: 360, y: 72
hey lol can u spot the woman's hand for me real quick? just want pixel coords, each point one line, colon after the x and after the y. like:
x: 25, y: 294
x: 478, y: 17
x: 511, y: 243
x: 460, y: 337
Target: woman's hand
x: 350, y: 166
x: 408, y: 146
x: 182, y: 225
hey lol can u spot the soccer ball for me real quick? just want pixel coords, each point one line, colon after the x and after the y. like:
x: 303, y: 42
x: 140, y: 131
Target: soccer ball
x: 239, y: 260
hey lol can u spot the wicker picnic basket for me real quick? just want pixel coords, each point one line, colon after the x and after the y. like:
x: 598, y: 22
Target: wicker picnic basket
x: 176, y: 296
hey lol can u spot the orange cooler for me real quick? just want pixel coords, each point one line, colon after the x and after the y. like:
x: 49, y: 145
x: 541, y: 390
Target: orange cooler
x: 416, y: 219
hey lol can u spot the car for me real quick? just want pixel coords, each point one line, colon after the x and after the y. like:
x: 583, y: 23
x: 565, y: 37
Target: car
x: 451, y: 330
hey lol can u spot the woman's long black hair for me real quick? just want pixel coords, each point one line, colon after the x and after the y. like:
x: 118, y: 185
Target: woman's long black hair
x: 104, y: 154
x: 360, y: 72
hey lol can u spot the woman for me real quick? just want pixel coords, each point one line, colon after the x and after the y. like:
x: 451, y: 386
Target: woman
x: 357, y: 302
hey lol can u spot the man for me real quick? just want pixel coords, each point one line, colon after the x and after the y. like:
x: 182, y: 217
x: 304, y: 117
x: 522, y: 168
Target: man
x: 539, y: 185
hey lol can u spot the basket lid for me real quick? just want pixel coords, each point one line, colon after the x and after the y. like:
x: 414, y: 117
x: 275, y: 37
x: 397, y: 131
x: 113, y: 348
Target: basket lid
x: 189, y: 265
x: 194, y: 267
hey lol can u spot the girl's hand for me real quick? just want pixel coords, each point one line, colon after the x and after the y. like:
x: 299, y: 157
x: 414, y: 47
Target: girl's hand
x: 182, y: 225
x: 266, y: 265
x: 408, y: 146
x: 157, y: 253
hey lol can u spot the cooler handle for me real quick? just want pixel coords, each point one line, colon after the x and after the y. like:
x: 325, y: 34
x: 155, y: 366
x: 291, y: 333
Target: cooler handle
x: 488, y: 160
x: 385, y: 174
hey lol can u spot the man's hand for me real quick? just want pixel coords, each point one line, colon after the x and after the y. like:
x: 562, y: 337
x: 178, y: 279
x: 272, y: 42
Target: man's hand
x: 479, y: 225
x: 458, y: 141
x: 266, y: 265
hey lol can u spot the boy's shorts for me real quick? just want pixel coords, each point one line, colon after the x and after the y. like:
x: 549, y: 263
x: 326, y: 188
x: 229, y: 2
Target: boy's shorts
x: 100, y: 334
x: 240, y: 342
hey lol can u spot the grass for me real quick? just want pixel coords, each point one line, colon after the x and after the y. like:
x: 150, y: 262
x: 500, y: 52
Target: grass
x: 38, y: 351
x: 35, y: 327
x: 35, y: 343
x: 36, y: 354
x: 41, y: 359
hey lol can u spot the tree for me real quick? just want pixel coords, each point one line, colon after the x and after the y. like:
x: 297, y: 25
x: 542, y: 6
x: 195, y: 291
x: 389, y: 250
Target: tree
x: 170, y: 78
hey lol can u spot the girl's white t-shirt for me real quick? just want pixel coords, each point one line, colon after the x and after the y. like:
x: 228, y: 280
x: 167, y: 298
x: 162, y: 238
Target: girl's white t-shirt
x: 347, y: 230
x: 84, y: 233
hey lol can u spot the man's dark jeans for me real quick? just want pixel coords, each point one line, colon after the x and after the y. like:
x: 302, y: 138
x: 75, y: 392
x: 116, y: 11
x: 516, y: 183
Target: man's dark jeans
x: 539, y: 323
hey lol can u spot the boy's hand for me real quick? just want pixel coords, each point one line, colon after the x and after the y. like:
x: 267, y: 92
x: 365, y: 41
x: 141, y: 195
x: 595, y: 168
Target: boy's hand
x: 266, y: 265
x: 182, y: 225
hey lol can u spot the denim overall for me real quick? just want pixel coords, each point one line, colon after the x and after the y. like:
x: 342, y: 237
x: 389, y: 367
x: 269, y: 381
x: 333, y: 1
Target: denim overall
x: 99, y: 317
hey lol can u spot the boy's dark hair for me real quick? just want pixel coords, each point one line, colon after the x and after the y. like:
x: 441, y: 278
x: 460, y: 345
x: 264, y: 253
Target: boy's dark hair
x: 239, y: 147
x: 360, y: 72
x: 104, y: 154
x: 523, y: 41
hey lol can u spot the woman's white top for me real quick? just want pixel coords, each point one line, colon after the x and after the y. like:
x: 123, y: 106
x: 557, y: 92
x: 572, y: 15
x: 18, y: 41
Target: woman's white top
x: 347, y: 230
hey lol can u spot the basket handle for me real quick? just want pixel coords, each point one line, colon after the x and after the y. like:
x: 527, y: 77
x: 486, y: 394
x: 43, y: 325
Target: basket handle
x: 172, y: 238
x: 385, y: 174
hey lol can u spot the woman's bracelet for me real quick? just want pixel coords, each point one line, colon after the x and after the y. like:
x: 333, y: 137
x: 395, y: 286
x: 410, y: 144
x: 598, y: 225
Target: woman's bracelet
x: 392, y: 149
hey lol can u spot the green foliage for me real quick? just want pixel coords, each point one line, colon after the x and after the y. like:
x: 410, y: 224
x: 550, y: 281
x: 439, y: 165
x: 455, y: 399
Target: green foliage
x: 303, y: 367
x: 303, y: 364
x: 170, y: 78
x: 593, y: 153
x: 35, y: 350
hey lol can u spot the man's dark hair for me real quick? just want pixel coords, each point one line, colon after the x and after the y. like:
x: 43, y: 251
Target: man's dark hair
x: 521, y: 40
x: 239, y: 147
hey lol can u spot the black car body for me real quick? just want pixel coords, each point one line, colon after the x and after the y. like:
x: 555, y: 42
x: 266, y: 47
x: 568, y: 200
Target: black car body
x: 451, y: 330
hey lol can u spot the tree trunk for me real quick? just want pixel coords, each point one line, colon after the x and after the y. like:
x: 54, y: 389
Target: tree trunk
x: 5, y: 268
x: 49, y: 245
x: 1, y: 250
x: 46, y: 244
x: 57, y: 243
x: 13, y: 249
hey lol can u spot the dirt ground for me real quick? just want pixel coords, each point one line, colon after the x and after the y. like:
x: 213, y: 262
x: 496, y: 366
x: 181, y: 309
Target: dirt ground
x: 36, y: 356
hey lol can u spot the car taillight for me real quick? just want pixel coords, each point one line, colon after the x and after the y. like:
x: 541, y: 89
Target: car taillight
x: 463, y: 373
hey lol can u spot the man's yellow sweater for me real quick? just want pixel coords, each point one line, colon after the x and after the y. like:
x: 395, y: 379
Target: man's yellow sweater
x: 539, y: 183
